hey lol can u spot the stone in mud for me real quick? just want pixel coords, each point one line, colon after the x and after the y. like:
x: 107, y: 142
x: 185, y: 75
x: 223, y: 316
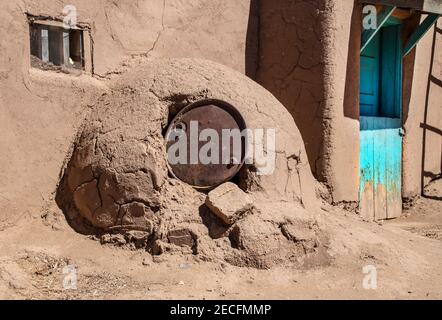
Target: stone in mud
x: 137, y: 214
x: 228, y: 202
x: 181, y: 238
x: 117, y: 239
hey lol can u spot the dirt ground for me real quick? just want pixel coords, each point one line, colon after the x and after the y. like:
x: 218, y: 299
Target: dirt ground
x: 43, y: 110
x: 406, y: 252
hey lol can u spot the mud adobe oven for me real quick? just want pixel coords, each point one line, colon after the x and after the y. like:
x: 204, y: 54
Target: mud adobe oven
x: 345, y: 102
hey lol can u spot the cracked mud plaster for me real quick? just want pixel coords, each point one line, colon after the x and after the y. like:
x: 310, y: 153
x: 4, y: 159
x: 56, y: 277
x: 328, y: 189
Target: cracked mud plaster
x: 292, y: 65
x: 117, y: 176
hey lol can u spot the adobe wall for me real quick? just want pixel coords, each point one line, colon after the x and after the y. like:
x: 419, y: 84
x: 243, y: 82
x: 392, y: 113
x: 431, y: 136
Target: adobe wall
x: 342, y: 101
x: 422, y: 112
x: 292, y: 65
x: 121, y: 30
x: 40, y: 111
x: 309, y: 58
x: 315, y: 77
x: 304, y: 61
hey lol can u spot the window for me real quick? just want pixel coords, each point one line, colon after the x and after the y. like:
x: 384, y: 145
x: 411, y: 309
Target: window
x: 55, y: 48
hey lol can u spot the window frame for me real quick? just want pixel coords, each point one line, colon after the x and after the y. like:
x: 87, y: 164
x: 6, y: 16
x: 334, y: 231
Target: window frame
x: 86, y: 50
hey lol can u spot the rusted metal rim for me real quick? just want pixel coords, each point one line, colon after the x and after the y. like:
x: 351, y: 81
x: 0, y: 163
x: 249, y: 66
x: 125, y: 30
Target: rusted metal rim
x: 210, y: 114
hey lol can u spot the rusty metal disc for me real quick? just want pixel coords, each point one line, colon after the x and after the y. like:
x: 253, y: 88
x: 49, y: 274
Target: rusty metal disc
x: 207, y: 114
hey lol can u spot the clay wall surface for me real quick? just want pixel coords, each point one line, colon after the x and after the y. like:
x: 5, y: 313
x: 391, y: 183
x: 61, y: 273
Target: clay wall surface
x: 309, y: 59
x: 422, y: 113
x: 305, y: 62
x: 40, y: 111
x: 304, y: 52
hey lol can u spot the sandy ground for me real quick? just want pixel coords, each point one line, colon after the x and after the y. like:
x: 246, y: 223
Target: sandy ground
x: 406, y: 252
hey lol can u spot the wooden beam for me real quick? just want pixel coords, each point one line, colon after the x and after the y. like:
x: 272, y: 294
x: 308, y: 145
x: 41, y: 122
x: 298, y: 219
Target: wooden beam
x: 426, y: 6
x: 401, y: 14
x: 382, y: 17
x: 426, y: 25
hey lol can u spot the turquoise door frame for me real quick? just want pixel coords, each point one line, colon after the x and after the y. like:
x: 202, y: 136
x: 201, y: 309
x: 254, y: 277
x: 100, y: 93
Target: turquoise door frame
x: 380, y: 193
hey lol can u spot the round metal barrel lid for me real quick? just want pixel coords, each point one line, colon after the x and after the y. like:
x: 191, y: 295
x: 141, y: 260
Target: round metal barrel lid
x: 204, y: 161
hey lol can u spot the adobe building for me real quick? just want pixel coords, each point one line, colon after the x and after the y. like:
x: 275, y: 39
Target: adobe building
x: 367, y: 102
x: 370, y: 119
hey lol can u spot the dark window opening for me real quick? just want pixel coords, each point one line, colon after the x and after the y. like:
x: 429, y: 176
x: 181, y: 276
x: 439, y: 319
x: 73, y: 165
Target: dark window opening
x: 55, y: 48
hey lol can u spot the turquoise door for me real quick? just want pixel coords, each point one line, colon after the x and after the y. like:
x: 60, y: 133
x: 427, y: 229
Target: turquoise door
x: 370, y: 72
x: 380, y: 192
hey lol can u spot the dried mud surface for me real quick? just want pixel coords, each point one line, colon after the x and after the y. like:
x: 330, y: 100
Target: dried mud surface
x: 408, y: 264
x: 116, y: 183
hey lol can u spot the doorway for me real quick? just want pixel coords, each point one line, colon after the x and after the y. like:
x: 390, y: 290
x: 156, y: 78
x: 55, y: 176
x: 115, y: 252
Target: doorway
x: 380, y: 190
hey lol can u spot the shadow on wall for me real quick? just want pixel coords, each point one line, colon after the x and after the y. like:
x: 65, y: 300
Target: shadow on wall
x: 427, y: 128
x: 285, y: 54
x: 409, y: 26
x: 352, y: 81
x: 433, y: 82
x: 252, y: 41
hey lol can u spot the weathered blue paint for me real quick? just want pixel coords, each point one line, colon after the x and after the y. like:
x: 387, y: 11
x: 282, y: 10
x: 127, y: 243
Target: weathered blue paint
x: 380, y: 121
x: 366, y: 167
x: 380, y: 167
